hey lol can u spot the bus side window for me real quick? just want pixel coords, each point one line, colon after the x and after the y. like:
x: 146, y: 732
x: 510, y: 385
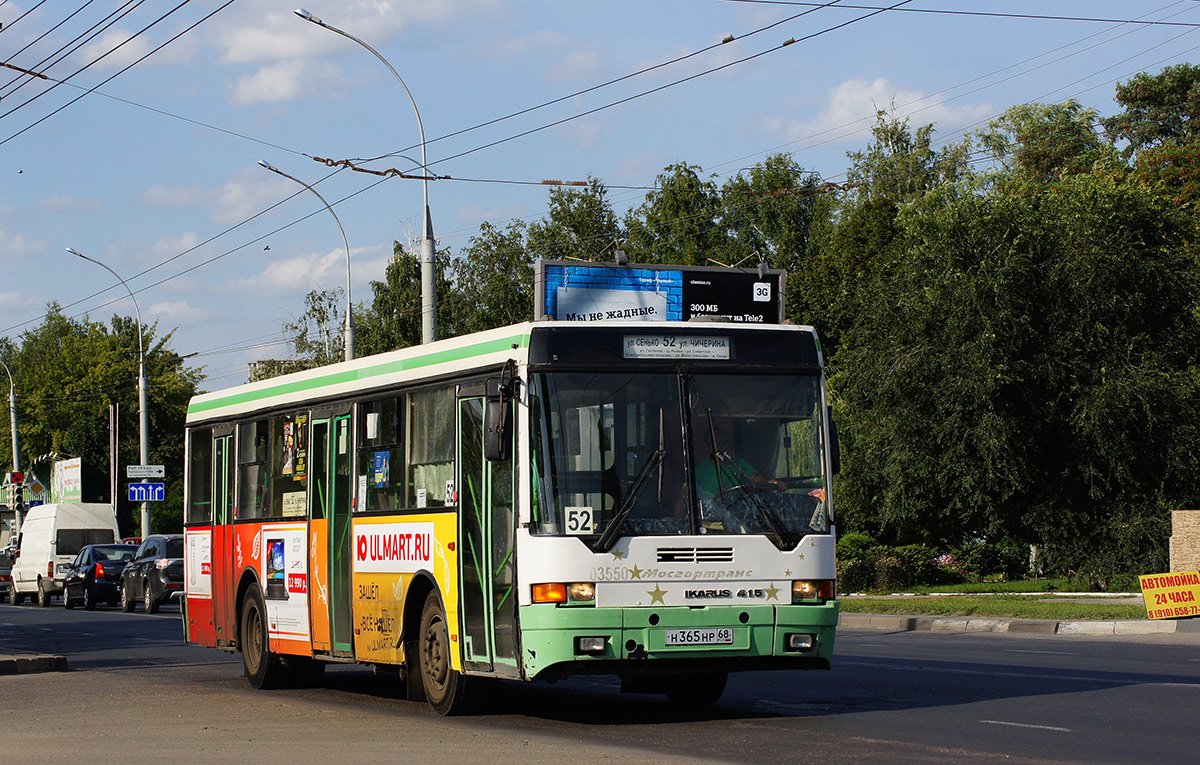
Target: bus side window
x: 381, y: 453
x: 199, y: 506
x: 431, y: 446
x: 253, y: 476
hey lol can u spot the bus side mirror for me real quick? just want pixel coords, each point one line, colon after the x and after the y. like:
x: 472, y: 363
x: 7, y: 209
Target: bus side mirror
x: 497, y: 421
x: 835, y: 447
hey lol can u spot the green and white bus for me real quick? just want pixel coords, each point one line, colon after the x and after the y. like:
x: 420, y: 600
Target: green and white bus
x: 650, y: 500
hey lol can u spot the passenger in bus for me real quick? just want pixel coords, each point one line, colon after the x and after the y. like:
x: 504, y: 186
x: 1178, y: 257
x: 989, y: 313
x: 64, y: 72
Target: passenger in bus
x: 719, y: 469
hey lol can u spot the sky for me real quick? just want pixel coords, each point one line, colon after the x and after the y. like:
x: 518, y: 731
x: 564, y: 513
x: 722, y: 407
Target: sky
x: 146, y: 159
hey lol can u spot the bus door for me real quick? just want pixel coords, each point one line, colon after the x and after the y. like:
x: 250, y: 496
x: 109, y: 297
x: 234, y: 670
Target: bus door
x: 486, y: 529
x: 330, y: 538
x: 224, y: 596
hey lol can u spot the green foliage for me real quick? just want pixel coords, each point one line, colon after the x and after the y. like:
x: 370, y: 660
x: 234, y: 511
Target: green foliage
x: 854, y: 544
x: 67, y: 372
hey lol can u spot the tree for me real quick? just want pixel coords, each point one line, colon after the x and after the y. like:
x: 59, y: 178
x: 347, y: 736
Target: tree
x: 1161, y: 124
x: 68, y: 372
x: 680, y: 222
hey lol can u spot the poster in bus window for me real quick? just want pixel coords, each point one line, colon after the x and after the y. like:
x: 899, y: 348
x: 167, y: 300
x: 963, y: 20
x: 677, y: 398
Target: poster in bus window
x: 300, y: 459
x: 289, y: 449
x: 381, y: 471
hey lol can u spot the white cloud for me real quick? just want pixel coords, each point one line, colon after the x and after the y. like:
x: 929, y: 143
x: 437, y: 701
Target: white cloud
x: 60, y: 203
x: 261, y: 31
x: 850, y: 111
x: 301, y: 273
x: 537, y: 43
x: 17, y: 246
x: 178, y: 313
x: 580, y: 64
x: 289, y: 80
x: 117, y: 48
x: 171, y: 246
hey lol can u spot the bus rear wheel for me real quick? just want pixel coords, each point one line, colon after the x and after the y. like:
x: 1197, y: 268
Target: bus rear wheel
x: 444, y: 686
x: 263, y: 668
x: 695, y: 691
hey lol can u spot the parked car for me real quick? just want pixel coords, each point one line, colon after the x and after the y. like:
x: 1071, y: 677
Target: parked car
x: 95, y: 575
x: 155, y: 575
x: 50, y: 538
x: 6, y: 563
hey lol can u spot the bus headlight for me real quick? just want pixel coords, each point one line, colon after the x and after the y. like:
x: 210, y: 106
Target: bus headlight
x: 558, y: 592
x: 590, y: 644
x: 581, y: 592
x: 812, y: 589
x: 798, y: 641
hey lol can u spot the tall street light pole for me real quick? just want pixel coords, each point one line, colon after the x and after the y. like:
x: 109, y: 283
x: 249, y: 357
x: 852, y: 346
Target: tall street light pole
x: 143, y: 411
x: 428, y: 287
x: 16, y: 447
x: 349, y: 331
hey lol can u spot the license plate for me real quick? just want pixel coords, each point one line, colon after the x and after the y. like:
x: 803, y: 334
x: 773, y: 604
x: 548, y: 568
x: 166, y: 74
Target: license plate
x: 704, y: 636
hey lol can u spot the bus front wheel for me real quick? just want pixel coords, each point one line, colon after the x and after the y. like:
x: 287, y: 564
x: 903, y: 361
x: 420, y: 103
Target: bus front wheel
x: 444, y: 686
x: 263, y: 668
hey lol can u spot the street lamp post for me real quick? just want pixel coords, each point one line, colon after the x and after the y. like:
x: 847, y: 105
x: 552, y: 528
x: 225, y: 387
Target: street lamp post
x: 428, y: 287
x: 143, y: 411
x: 16, y: 447
x: 349, y: 331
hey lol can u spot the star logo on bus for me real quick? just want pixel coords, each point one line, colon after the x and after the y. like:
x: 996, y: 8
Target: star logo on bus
x: 635, y: 572
x: 772, y: 592
x: 656, y: 595
x: 618, y: 555
x: 788, y: 572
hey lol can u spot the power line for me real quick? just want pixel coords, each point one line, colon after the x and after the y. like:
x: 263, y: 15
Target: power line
x: 126, y: 68
x: 986, y: 14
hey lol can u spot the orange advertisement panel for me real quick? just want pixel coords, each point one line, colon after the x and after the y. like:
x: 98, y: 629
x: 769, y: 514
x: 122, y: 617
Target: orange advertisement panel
x: 1173, y: 595
x: 318, y: 563
x: 388, y: 553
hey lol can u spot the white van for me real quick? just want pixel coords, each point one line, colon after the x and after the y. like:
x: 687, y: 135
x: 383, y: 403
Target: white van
x: 50, y: 538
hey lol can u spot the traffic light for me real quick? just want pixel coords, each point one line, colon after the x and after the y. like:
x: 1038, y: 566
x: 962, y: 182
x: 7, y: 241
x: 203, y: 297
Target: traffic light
x: 17, y: 478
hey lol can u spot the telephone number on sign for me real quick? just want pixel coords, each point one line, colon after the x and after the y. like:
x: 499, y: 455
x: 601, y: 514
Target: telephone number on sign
x: 1161, y: 613
x: 718, y: 636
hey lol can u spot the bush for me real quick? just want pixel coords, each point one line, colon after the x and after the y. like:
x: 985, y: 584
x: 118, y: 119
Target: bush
x: 919, y: 565
x: 854, y: 545
x: 855, y: 574
x: 891, y: 575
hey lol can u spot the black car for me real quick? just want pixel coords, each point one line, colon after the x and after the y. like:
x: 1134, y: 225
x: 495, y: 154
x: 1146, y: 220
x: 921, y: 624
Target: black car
x: 6, y: 564
x: 95, y: 575
x: 155, y: 575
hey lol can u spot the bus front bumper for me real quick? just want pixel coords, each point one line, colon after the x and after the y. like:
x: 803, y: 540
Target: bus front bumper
x: 558, y: 641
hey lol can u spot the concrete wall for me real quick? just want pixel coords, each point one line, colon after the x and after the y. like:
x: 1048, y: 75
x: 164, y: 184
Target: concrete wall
x: 1185, y: 540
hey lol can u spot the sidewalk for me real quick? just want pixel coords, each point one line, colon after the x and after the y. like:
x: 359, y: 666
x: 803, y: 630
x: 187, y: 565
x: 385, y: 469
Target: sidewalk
x: 26, y: 663
x: 894, y: 623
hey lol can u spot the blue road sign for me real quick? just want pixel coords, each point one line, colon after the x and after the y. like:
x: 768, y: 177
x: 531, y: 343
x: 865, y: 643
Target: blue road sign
x: 147, y: 492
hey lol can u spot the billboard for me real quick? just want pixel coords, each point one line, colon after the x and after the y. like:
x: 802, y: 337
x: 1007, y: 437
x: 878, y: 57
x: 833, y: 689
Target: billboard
x: 598, y: 292
x: 66, y: 480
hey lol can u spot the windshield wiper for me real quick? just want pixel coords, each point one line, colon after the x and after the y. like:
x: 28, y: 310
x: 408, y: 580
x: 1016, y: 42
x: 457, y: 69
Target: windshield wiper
x: 776, y: 525
x: 613, y: 530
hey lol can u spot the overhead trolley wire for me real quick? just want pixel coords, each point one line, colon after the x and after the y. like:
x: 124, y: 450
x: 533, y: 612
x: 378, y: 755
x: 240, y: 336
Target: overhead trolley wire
x: 81, y: 39
x: 129, y: 66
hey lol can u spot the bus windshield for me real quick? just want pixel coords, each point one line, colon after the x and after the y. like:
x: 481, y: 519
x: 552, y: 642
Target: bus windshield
x: 663, y: 454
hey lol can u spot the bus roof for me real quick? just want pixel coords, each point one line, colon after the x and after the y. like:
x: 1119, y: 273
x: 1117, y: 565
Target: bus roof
x: 406, y: 365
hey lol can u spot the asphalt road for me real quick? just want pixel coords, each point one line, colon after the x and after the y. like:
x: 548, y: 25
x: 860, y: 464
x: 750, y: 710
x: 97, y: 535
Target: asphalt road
x: 137, y: 693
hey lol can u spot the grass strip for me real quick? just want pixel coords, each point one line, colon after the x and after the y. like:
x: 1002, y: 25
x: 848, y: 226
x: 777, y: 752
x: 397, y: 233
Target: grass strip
x: 997, y: 606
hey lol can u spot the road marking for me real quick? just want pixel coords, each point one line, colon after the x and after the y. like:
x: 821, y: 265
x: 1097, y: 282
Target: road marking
x: 1018, y: 675
x: 1052, y: 653
x: 1026, y: 725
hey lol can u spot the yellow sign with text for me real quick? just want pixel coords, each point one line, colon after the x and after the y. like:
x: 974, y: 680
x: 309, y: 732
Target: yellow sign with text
x: 1170, y: 596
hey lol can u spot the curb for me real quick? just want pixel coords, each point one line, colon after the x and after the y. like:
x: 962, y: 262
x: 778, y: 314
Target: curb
x: 23, y: 664
x: 891, y: 623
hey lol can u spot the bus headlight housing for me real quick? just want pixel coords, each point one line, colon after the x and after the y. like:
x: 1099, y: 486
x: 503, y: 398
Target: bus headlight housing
x: 582, y: 593
x: 811, y: 590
